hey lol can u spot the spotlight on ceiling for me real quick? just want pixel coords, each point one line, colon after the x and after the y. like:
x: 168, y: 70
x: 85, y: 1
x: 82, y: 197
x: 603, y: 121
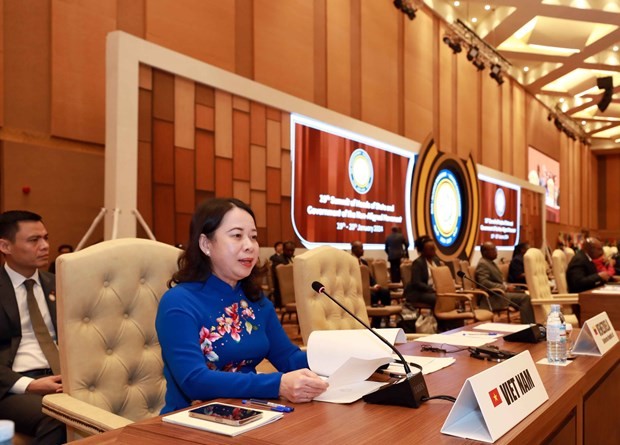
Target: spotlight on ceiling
x: 406, y: 7
x: 472, y: 53
x: 454, y: 44
x: 496, y: 73
x: 607, y: 84
x: 479, y: 64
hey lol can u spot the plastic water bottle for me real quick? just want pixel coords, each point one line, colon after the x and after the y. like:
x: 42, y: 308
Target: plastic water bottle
x: 7, y: 431
x: 556, y: 336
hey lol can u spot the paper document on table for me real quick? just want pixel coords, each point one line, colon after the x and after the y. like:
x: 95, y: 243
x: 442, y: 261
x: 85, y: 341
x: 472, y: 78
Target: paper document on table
x: 607, y: 289
x: 428, y: 364
x: 459, y: 339
x: 347, y: 358
x: 502, y: 327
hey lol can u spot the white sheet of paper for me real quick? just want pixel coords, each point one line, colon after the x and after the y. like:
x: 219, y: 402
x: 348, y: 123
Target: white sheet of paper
x: 348, y: 393
x: 458, y: 339
x: 329, y: 350
x: 428, y: 364
x: 544, y: 361
x: 501, y: 327
x: 355, y: 370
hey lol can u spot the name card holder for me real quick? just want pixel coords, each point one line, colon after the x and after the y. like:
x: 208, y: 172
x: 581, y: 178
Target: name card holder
x: 494, y: 401
x: 597, y: 336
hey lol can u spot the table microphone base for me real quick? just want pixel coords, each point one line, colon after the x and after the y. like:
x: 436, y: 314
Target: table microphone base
x: 407, y: 392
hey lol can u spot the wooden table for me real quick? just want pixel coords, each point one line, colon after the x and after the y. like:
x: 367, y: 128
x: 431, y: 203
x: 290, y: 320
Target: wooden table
x: 582, y: 409
x: 593, y: 303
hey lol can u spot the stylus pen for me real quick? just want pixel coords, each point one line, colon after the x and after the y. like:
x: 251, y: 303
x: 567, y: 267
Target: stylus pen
x: 271, y: 405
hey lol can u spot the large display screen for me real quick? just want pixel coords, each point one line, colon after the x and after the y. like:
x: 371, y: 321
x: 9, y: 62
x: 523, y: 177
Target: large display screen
x: 347, y: 187
x: 545, y: 171
x: 500, y: 202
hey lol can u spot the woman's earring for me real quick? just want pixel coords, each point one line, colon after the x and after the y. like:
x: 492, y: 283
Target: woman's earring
x: 208, y: 253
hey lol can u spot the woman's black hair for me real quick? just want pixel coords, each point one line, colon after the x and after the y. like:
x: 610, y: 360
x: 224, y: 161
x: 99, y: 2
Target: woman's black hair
x: 194, y: 265
x: 419, y: 243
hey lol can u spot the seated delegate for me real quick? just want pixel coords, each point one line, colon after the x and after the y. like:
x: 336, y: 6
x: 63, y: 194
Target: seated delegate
x: 214, y: 324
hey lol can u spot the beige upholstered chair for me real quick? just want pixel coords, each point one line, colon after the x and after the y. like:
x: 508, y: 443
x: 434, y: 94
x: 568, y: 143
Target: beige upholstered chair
x: 570, y: 253
x: 540, y: 290
x: 340, y: 273
x: 380, y: 312
x: 110, y: 357
x: 287, y: 290
x: 452, y: 307
x: 405, y: 272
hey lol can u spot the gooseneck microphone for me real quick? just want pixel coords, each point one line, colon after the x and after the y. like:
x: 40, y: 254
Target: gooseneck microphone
x: 462, y: 274
x: 410, y: 391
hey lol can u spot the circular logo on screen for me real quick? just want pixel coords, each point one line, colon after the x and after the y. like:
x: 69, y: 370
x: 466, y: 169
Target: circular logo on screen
x: 361, y: 173
x: 446, y: 211
x: 500, y: 202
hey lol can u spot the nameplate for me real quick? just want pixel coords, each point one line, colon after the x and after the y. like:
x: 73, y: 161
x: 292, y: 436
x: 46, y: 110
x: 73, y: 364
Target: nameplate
x: 597, y: 336
x: 494, y: 401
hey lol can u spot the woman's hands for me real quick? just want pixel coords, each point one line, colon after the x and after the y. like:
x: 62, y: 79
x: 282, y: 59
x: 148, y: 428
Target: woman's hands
x: 302, y: 385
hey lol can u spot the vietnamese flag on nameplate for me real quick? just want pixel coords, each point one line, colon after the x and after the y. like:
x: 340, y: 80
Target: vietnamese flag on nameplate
x: 495, y: 398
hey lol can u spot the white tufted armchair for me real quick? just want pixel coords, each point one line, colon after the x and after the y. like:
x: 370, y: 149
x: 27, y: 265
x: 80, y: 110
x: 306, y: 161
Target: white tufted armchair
x: 340, y: 273
x: 540, y: 289
x: 110, y: 357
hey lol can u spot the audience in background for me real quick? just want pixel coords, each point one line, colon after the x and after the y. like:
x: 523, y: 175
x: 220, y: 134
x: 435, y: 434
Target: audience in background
x: 581, y: 273
x: 490, y: 276
x: 29, y: 363
x: 421, y: 288
x: 288, y: 253
x: 215, y: 326
x: 516, y: 269
x: 62, y: 249
x: 396, y: 247
x: 278, y: 248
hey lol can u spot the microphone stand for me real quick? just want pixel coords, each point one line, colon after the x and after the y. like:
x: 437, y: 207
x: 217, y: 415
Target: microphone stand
x: 462, y: 274
x: 410, y: 391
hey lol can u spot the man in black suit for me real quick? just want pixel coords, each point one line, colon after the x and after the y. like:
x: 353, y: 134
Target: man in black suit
x: 378, y: 294
x: 396, y: 248
x: 581, y: 274
x: 25, y: 370
x: 288, y: 252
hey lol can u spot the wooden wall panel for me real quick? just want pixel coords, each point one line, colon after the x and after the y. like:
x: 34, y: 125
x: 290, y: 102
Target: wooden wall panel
x: 379, y: 68
x: 26, y: 67
x: 490, y: 123
x: 145, y: 117
x: 468, y: 108
x: 274, y: 224
x: 258, y: 201
x: 339, y: 64
x: 184, y: 112
x: 205, y: 161
x: 182, y: 222
x: 506, y: 126
x: 258, y: 124
x: 241, y: 145
x: 241, y: 190
x: 202, y: 30
x: 223, y: 124
x: 446, y: 100
x: 184, y: 182
x: 273, y: 144
x: 285, y: 130
x: 205, y: 117
x: 78, y: 34
x: 145, y: 73
x: 145, y: 182
x: 612, y: 185
x: 130, y: 17
x: 244, y: 38
x: 258, y: 164
x: 286, y: 173
x: 205, y: 95
x: 1, y: 69
x: 223, y: 177
x: 163, y: 95
x: 517, y: 167
x: 274, y: 193
x: 284, y: 46
x: 418, y: 78
x: 163, y: 152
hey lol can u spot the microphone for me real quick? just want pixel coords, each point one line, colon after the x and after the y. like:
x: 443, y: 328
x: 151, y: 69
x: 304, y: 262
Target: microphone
x: 462, y: 274
x: 410, y: 391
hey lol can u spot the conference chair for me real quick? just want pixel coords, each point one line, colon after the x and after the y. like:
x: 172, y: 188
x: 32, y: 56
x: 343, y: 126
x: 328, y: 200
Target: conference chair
x: 286, y: 285
x: 267, y: 280
x: 452, y: 308
x: 540, y: 289
x: 382, y: 276
x: 570, y: 253
x: 376, y: 312
x: 469, y: 286
x: 110, y: 358
x: 340, y: 273
x: 405, y: 272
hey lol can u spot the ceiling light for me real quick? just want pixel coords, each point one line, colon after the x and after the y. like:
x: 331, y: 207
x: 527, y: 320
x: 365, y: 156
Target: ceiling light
x: 561, y: 100
x: 457, y: 4
x: 478, y: 64
x: 526, y: 68
x: 474, y: 19
x: 583, y: 122
x: 487, y: 7
x: 616, y: 48
x: 454, y: 44
x: 496, y: 73
x: 472, y: 53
